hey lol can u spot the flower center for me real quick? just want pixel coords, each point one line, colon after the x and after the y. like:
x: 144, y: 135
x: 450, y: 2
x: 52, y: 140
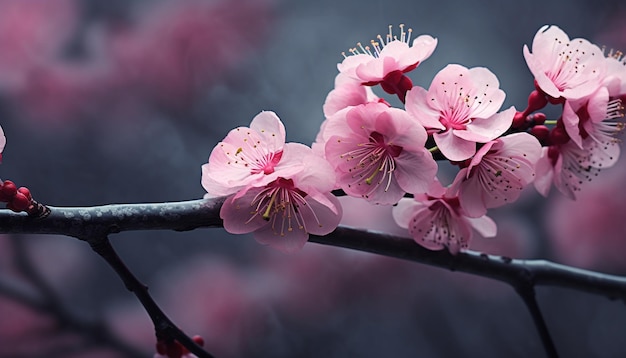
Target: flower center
x: 375, y: 162
x: 267, y: 163
x: 282, y: 204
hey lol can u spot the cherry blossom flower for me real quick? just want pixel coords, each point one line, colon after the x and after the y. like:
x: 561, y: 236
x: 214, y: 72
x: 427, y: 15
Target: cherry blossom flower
x: 378, y: 153
x: 594, y: 117
x: 459, y: 109
x: 497, y: 173
x: 387, y: 60
x: 284, y: 212
x: 437, y: 220
x: 566, y: 68
x: 569, y: 166
x: 250, y: 156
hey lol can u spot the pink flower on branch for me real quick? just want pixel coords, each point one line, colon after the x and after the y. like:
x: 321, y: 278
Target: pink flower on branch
x: 459, y: 109
x: 250, y: 156
x: 281, y: 190
x: 594, y: 117
x: 387, y: 61
x: 569, y: 166
x: 563, y: 68
x: 284, y: 212
x: 437, y: 220
x: 378, y: 153
x: 497, y: 173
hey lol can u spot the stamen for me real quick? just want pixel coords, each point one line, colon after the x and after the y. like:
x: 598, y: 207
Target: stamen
x: 266, y: 214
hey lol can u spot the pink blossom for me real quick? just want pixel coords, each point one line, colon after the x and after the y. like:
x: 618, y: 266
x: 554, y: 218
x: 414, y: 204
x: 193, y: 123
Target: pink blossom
x: 176, y: 48
x: 437, y: 220
x: 371, y: 65
x: 348, y: 92
x: 498, y: 173
x: 284, y: 212
x: 378, y: 153
x: 387, y: 60
x: 589, y: 233
x: 460, y: 109
x: 569, y: 166
x: 563, y: 68
x: 251, y: 156
x: 32, y: 34
x: 594, y: 117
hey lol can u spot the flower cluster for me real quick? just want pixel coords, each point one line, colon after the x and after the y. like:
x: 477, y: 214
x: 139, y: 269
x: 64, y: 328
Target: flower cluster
x: 387, y: 155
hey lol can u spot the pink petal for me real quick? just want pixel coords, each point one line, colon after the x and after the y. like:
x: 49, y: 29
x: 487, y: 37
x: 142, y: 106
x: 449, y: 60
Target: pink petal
x: 486, y: 94
x: 415, y: 171
x: 417, y: 105
x: 471, y: 195
x: 484, y: 225
x: 453, y: 147
x: 485, y: 129
x: 544, y: 173
x: 237, y: 214
x: 270, y: 129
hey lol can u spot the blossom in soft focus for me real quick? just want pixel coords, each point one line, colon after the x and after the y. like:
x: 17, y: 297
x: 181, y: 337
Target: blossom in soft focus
x: 460, y: 109
x: 497, y: 173
x: 386, y: 61
x: 284, y: 212
x: 32, y: 35
x: 378, y: 153
x: 436, y: 220
x: 250, y: 156
x: 590, y: 232
x: 566, y: 68
x: 175, y: 48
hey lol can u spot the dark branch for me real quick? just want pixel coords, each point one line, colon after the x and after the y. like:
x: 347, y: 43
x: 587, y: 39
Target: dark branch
x: 100, y: 221
x: 165, y: 329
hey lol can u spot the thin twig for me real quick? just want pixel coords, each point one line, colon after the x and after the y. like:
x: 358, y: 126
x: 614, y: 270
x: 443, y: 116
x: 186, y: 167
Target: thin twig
x: 527, y: 293
x: 165, y: 329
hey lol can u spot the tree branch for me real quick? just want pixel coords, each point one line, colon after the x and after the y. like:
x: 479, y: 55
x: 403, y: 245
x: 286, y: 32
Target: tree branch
x: 164, y: 328
x: 100, y: 221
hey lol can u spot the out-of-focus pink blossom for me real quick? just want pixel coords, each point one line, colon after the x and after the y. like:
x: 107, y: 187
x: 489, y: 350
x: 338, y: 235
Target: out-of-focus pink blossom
x: 497, y: 173
x: 178, y: 47
x: 460, y: 109
x: 437, y: 220
x: 378, y: 153
x: 566, y: 68
x: 589, y: 233
x: 32, y: 34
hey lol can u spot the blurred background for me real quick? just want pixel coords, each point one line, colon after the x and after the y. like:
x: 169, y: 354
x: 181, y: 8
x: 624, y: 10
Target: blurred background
x: 122, y: 101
